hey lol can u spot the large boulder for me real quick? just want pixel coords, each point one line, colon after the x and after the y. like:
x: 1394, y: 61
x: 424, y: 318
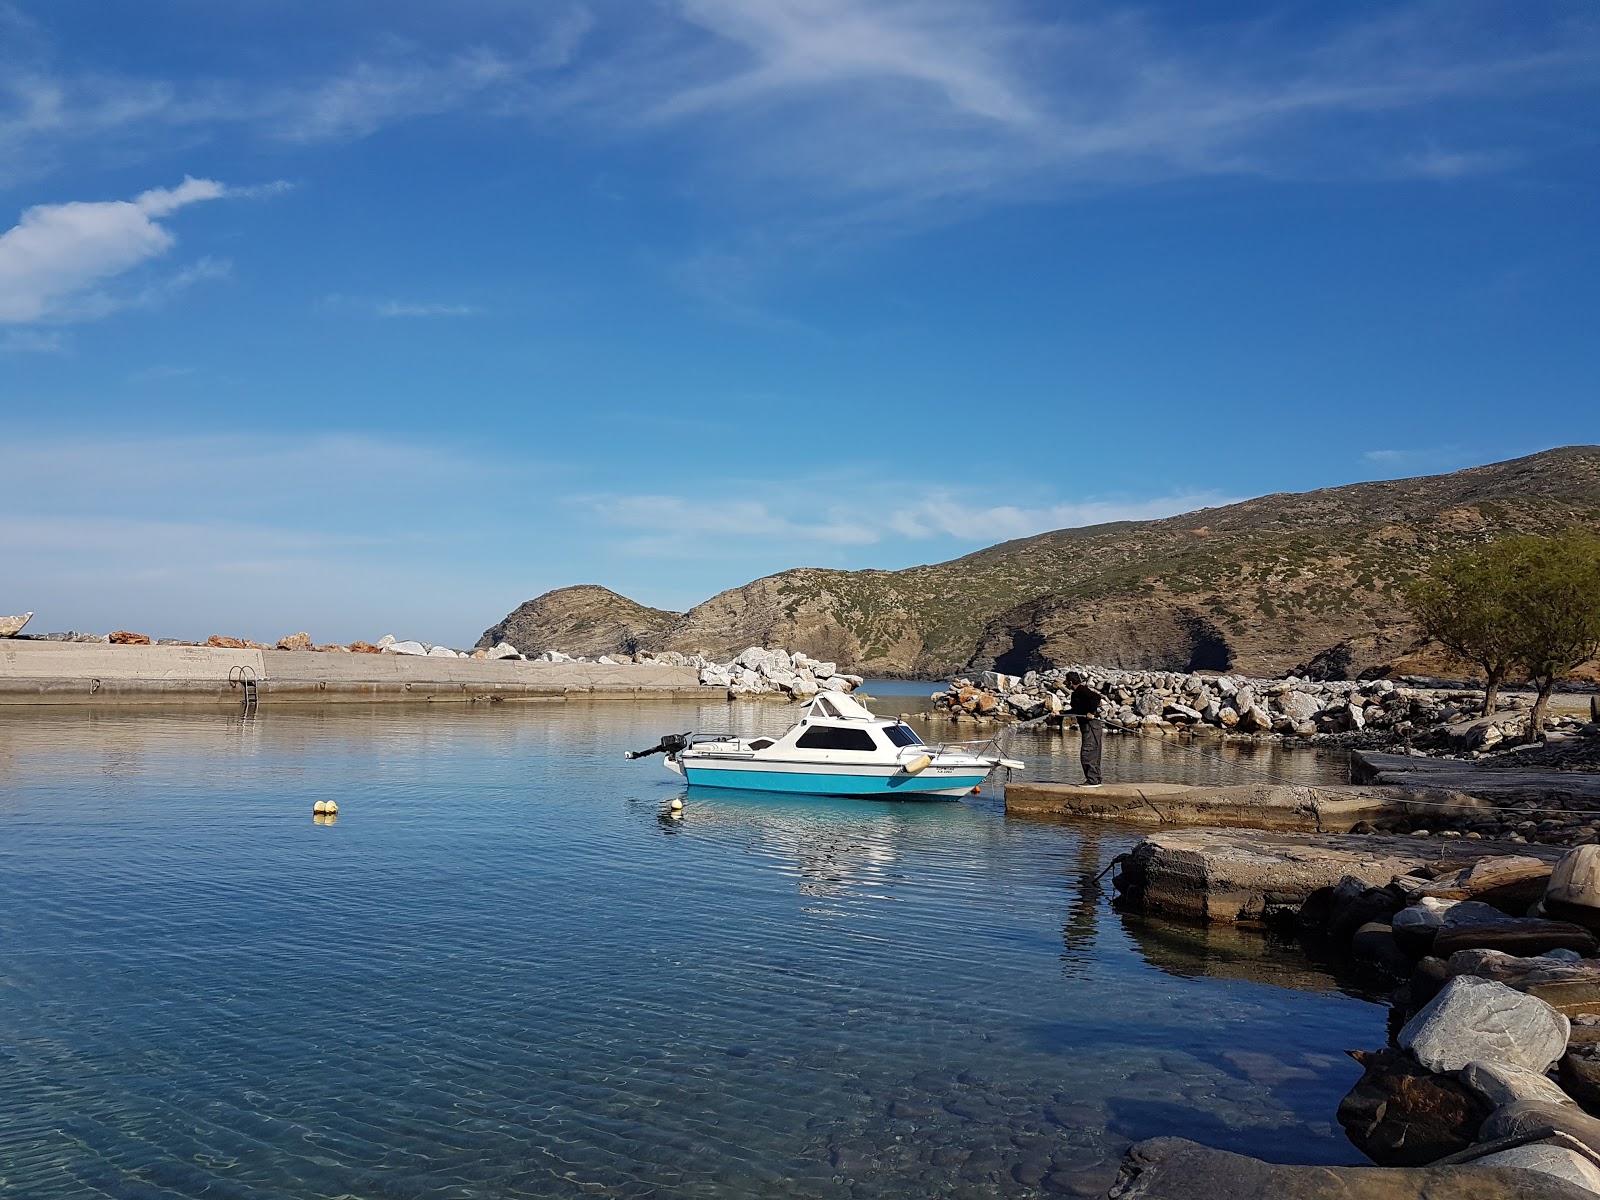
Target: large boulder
x: 295, y: 641
x: 225, y: 643
x: 1579, y: 1072
x: 1520, y: 936
x: 124, y: 637
x: 1534, y: 1117
x: 1175, y: 1169
x: 1502, y: 1083
x: 1573, y: 892
x: 1568, y: 987
x: 1400, y: 1114
x: 11, y: 626
x: 1510, y: 882
x: 502, y: 650
x: 416, y: 649
x: 1557, y: 1162
x: 1474, y: 1019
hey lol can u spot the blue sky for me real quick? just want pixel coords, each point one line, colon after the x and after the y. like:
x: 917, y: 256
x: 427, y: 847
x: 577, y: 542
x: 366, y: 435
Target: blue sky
x: 366, y: 318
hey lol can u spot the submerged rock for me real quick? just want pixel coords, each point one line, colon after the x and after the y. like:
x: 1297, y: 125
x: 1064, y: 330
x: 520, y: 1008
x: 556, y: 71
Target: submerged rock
x: 1399, y: 1114
x: 1176, y: 1169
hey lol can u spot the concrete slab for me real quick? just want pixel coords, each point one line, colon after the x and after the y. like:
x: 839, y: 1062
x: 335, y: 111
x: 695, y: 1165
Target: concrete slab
x: 1252, y: 805
x: 1228, y: 875
x: 96, y: 673
x: 1503, y: 784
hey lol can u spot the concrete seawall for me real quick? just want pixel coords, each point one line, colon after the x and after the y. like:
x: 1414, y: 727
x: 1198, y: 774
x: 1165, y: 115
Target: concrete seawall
x: 33, y: 673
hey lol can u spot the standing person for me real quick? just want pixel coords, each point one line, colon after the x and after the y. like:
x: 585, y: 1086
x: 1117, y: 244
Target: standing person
x: 1085, y: 705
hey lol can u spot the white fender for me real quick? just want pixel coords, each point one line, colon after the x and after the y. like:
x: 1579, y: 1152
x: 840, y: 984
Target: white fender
x: 920, y: 763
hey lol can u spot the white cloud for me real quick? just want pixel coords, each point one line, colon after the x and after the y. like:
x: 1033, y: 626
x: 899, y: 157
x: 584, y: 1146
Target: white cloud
x: 53, y: 261
x: 944, y: 514
x: 896, y: 103
x: 404, y: 308
x: 938, y: 515
x: 727, y: 518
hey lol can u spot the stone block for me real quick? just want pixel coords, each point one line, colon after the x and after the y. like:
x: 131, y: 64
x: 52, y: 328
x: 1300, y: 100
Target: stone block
x: 1473, y: 1019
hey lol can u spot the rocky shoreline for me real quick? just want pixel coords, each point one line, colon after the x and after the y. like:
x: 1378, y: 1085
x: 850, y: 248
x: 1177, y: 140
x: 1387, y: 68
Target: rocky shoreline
x: 1491, y: 955
x: 1372, y: 714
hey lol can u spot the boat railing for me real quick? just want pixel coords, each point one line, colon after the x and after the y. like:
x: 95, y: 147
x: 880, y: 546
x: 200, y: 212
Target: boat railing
x: 978, y: 747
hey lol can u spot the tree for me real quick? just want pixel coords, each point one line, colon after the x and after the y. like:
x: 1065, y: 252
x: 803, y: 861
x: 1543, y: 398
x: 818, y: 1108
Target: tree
x: 1462, y: 602
x: 1554, y: 608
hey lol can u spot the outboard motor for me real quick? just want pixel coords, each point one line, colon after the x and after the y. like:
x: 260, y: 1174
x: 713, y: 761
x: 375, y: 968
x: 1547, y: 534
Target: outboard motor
x: 672, y: 743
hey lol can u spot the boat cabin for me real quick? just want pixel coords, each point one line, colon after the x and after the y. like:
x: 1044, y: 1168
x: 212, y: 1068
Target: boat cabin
x: 835, y: 722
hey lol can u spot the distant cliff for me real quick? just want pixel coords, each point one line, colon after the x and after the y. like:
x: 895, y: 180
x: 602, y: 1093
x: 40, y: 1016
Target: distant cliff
x: 1261, y: 587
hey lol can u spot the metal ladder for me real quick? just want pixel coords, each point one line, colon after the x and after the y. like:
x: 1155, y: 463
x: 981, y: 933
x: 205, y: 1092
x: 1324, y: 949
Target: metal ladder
x: 242, y: 675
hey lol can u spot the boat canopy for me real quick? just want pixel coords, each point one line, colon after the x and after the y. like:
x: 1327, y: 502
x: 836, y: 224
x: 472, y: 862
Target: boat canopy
x: 839, y: 707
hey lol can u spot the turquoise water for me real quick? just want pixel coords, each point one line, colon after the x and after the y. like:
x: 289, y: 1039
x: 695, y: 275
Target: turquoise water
x: 507, y: 970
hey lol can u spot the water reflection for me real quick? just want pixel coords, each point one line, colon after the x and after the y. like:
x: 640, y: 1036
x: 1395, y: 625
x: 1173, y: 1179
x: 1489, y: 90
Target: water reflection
x: 509, y: 971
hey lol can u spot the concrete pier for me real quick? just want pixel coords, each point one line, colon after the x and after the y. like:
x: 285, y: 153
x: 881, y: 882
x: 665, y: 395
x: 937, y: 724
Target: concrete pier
x: 33, y: 673
x: 1326, y: 809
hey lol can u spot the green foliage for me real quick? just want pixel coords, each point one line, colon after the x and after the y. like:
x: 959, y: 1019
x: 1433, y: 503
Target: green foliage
x: 1555, y: 596
x: 1463, y: 602
x: 1529, y: 602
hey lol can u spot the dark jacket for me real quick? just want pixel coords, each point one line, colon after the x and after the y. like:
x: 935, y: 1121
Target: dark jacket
x: 1085, y: 701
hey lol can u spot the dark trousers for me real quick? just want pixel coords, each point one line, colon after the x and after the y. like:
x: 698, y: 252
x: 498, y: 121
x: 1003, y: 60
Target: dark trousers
x: 1094, y: 732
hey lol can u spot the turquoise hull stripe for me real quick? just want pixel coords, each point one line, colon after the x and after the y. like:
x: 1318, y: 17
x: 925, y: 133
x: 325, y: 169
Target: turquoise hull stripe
x: 830, y: 785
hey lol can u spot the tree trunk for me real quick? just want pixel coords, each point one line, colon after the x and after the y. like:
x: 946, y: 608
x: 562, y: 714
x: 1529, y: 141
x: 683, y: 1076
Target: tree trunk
x: 1491, y: 689
x: 1536, y: 718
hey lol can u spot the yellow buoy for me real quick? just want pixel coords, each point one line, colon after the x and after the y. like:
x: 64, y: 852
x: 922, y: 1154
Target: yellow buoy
x: 333, y: 808
x: 320, y: 807
x: 675, y: 805
x: 918, y: 764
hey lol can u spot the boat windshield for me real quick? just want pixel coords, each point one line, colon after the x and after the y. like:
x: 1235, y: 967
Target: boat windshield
x: 901, y: 735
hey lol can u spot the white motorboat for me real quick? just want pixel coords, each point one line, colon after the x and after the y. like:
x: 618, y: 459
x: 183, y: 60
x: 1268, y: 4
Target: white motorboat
x: 837, y: 749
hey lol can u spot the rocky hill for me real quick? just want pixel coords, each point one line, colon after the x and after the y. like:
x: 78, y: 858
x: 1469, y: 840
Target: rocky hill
x: 586, y: 619
x: 1261, y: 587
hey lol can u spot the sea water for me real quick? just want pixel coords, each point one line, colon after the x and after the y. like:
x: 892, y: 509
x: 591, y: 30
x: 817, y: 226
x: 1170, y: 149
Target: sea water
x: 507, y: 969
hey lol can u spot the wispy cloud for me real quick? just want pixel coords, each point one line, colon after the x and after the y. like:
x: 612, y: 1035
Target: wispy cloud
x: 56, y: 259
x: 727, y: 518
x: 865, y: 521
x: 405, y: 308
x: 946, y: 514
x: 894, y: 104
x: 32, y: 341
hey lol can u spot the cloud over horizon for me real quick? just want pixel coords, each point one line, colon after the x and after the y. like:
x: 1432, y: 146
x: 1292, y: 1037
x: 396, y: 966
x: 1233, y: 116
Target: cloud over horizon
x: 54, y: 261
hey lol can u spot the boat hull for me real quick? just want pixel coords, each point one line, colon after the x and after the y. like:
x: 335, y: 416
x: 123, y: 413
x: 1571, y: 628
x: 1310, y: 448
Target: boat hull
x: 833, y: 781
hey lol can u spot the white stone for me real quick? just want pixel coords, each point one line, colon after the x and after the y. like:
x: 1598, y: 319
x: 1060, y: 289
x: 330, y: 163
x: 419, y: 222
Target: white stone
x: 416, y: 648
x: 995, y: 681
x: 504, y: 650
x: 1473, y: 1020
x: 715, y: 677
x: 13, y: 625
x: 441, y: 652
x: 824, y: 670
x: 754, y: 657
x: 835, y: 683
x: 1564, y: 1164
x: 1502, y: 1084
x: 1576, y: 878
x: 606, y: 660
x: 387, y: 639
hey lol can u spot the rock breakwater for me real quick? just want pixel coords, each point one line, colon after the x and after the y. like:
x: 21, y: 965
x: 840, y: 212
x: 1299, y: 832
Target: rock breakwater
x: 1369, y: 713
x: 757, y: 671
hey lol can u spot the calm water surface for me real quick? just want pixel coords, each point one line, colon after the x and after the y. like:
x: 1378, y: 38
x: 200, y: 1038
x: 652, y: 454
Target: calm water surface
x: 507, y: 971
